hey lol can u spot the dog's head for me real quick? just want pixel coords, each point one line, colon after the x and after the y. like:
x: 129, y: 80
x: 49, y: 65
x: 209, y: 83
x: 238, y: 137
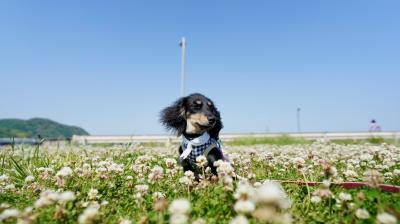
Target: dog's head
x: 193, y: 114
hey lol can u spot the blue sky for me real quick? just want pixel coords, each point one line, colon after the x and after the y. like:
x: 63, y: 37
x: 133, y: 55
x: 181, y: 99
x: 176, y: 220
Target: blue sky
x: 111, y: 66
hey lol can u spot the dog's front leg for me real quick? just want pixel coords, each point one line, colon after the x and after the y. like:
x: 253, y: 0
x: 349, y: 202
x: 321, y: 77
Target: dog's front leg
x: 214, y: 155
x: 188, y: 166
x: 185, y: 163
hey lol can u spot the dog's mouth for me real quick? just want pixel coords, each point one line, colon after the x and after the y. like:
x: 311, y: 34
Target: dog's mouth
x: 206, y: 126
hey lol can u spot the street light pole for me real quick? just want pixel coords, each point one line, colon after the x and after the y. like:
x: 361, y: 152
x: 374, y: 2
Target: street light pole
x: 298, y: 119
x: 182, y: 44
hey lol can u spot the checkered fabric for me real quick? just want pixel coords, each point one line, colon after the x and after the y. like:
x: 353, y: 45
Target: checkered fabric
x: 199, y: 150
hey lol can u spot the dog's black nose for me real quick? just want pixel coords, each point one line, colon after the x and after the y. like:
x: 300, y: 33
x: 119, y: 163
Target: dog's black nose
x: 211, y: 120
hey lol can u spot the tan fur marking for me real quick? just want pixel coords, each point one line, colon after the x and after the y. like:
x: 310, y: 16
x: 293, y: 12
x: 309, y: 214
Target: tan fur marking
x: 193, y: 121
x: 198, y: 118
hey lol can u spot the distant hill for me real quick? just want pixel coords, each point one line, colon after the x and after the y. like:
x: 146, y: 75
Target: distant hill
x: 37, y: 126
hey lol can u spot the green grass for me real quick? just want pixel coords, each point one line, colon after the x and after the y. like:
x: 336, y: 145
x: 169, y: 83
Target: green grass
x: 142, y: 144
x: 282, y: 140
x: 374, y: 141
x: 212, y: 203
x: 287, y: 140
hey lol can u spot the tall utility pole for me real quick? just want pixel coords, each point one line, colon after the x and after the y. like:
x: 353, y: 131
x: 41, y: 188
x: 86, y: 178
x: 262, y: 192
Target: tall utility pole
x: 182, y: 44
x: 298, y: 119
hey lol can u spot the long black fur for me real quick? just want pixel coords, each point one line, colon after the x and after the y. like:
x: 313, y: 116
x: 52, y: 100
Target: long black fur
x: 173, y: 117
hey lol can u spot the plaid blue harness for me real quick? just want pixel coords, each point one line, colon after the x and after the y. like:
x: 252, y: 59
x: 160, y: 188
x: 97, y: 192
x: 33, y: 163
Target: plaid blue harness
x: 201, y: 149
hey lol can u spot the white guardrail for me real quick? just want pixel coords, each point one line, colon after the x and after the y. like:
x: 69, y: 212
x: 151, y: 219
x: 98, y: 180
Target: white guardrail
x: 93, y: 139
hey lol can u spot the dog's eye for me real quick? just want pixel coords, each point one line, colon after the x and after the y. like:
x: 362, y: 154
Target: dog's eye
x: 209, y: 103
x: 197, y: 106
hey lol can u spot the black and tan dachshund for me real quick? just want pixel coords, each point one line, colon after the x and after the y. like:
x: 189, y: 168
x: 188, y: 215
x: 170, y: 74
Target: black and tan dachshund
x: 196, y: 118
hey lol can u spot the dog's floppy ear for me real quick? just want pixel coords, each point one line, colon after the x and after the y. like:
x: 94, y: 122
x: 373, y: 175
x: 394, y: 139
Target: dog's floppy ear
x: 173, y: 117
x: 214, y: 132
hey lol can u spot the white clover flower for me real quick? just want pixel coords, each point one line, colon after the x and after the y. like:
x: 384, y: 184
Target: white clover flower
x: 385, y: 218
x: 384, y: 167
x: 139, y: 196
x: 79, y: 171
x: 52, y: 195
x: 45, y: 172
x: 88, y: 216
x: 240, y: 219
x: 9, y: 213
x: 244, y: 206
x: 362, y: 213
x: 85, y: 204
x: 366, y: 157
x: 93, y: 194
x: 158, y: 195
x: 344, y: 196
x: 269, y: 155
x: 9, y: 187
x: 170, y: 163
x: 186, y: 181
x: 3, y: 178
x: 224, y: 168
x: 103, y: 163
x: 251, y: 175
x: 218, y: 163
x: 66, y: 197
x: 388, y: 175
x: 333, y: 171
x: 29, y: 179
x: 373, y: 178
x: 115, y: 168
x: 243, y: 191
x: 102, y: 172
x: 178, y: 219
x: 156, y: 174
x: 199, y: 221
x: 298, y: 162
x: 350, y: 174
x: 189, y: 174
x: 316, y: 199
x: 178, y: 210
x: 28, y: 210
x: 201, y: 161
x: 227, y: 181
x: 143, y: 159
x: 125, y: 221
x: 257, y: 184
x: 86, y: 166
x: 104, y: 203
x: 326, y: 184
x: 372, y: 164
x: 285, y: 218
x: 272, y: 193
x: 64, y: 172
x: 179, y: 206
x: 142, y: 188
x: 42, y: 202
x: 4, y: 205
